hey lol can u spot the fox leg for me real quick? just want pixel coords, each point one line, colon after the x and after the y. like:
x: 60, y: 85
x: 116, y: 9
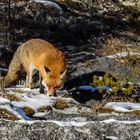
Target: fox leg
x: 29, y: 76
x: 27, y: 80
x: 29, y: 83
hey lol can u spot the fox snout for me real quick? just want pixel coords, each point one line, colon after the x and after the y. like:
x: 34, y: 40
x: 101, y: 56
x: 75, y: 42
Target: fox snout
x: 52, y: 86
x: 51, y: 91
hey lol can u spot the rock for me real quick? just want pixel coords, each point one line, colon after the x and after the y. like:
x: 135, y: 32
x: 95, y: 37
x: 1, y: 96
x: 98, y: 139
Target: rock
x: 42, y: 130
x: 92, y: 103
x: 130, y: 2
x: 79, y: 28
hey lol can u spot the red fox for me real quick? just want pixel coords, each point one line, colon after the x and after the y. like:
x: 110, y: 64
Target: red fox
x: 37, y: 54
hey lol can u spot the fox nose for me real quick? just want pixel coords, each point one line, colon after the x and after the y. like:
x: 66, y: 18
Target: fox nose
x: 50, y: 95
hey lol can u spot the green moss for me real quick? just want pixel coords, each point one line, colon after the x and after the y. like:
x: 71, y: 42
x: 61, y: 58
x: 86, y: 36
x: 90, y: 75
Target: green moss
x: 134, y: 71
x: 138, y: 18
x: 128, y: 90
x: 134, y: 10
x: 126, y: 79
x: 115, y: 85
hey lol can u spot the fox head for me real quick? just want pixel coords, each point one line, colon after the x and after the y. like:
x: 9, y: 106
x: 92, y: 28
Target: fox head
x: 53, y: 80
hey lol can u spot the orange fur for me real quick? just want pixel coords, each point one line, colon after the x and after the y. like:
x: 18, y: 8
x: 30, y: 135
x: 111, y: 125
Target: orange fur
x: 40, y: 55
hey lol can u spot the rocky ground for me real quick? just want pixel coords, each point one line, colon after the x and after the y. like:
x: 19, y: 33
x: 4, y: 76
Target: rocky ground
x: 51, y: 130
x: 64, y: 118
x: 81, y: 29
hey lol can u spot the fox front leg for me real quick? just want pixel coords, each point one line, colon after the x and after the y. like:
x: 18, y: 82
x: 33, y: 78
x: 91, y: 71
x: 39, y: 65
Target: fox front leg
x: 29, y: 78
x: 29, y: 83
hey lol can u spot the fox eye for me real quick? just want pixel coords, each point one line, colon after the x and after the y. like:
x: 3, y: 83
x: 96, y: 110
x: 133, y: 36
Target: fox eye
x: 61, y: 72
x: 56, y: 87
x: 46, y: 69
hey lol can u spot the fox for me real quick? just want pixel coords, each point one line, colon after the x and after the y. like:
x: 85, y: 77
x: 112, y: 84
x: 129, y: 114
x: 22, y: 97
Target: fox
x: 40, y: 55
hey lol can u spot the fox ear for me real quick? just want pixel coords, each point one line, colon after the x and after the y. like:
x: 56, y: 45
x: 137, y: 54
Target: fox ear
x: 64, y: 74
x: 46, y: 69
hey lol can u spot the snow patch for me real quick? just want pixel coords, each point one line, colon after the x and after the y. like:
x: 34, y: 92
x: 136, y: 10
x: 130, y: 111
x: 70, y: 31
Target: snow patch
x: 33, y: 101
x: 128, y: 3
x: 69, y: 123
x: 28, y: 98
x: 4, y: 101
x: 123, y: 54
x: 79, y: 124
x: 112, y: 137
x: 40, y: 114
x: 123, y: 106
x: 3, y: 69
x: 49, y: 4
x: 117, y: 121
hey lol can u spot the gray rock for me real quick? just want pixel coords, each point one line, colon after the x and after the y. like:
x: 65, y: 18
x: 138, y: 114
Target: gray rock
x: 43, y: 130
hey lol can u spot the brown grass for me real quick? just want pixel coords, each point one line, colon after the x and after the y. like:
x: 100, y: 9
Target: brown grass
x: 60, y: 104
x: 5, y: 114
x: 6, y: 95
x: 115, y: 45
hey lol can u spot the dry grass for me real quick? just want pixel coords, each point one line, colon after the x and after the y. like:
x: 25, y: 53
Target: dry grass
x: 4, y: 114
x: 109, y: 110
x: 6, y: 95
x: 28, y: 111
x: 114, y: 45
x: 60, y: 104
x: 44, y: 109
x: 130, y: 51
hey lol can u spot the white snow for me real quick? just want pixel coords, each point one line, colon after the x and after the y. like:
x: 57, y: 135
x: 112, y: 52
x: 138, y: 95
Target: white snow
x: 4, y: 101
x: 123, y: 54
x: 128, y: 3
x: 40, y: 114
x: 3, y: 69
x: 49, y: 4
x: 123, y: 106
x: 31, y: 98
x: 117, y: 121
x: 33, y: 101
x: 112, y: 137
x: 80, y: 124
x: 68, y: 123
x: 108, y: 121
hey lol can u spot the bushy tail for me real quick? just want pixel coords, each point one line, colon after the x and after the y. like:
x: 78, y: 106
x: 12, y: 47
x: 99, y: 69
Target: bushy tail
x: 14, y: 69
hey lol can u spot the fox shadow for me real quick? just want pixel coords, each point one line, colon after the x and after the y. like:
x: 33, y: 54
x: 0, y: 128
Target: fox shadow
x: 83, y: 96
